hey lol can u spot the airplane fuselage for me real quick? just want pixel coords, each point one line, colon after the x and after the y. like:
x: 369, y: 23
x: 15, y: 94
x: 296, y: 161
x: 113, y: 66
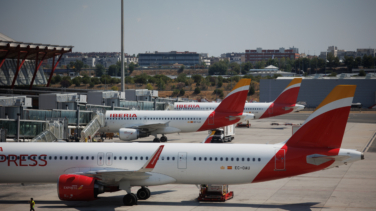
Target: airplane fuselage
x: 175, y: 121
x: 260, y: 110
x: 179, y: 163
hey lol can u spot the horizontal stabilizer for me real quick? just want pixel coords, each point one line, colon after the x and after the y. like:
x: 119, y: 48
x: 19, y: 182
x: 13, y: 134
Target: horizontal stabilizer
x: 320, y: 159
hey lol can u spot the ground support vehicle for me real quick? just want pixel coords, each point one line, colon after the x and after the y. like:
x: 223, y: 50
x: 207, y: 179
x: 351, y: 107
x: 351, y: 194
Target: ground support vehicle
x: 215, y: 193
x: 223, y: 134
x: 241, y: 124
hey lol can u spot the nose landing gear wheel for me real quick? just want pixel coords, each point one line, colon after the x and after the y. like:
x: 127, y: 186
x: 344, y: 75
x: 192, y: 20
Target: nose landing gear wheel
x: 163, y: 139
x: 143, y: 193
x: 130, y: 199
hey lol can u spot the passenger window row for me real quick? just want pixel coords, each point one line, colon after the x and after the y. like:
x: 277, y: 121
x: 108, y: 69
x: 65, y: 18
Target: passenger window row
x: 226, y: 159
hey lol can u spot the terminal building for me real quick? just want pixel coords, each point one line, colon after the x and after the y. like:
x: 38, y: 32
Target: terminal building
x: 259, y: 54
x: 313, y: 90
x: 156, y: 58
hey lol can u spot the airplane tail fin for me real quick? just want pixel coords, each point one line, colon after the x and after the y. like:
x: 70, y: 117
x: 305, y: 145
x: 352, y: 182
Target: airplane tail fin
x: 209, y: 138
x: 325, y: 127
x: 235, y: 100
x: 290, y: 94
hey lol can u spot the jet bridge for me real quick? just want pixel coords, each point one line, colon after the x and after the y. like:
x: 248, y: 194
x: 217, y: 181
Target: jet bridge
x: 93, y: 126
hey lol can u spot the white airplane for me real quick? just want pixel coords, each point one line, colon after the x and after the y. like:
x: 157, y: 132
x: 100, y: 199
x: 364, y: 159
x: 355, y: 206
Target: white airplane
x: 284, y: 104
x: 132, y: 125
x: 84, y: 170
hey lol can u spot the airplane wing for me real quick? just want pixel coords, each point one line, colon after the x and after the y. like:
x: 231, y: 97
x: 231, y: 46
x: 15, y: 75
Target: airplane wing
x: 150, y: 126
x: 112, y: 176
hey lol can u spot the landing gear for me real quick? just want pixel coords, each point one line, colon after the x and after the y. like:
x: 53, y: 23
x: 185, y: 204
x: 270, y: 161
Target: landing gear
x: 163, y: 138
x: 156, y: 140
x: 143, y: 193
x: 130, y: 199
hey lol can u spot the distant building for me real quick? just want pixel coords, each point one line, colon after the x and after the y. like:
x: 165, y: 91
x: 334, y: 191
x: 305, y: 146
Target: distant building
x: 234, y: 57
x: 168, y: 58
x: 259, y: 54
x: 91, y: 59
x: 269, y: 71
x: 365, y: 51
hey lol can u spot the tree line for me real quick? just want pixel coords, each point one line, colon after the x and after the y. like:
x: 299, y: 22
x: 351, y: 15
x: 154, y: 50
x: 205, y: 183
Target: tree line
x: 292, y: 65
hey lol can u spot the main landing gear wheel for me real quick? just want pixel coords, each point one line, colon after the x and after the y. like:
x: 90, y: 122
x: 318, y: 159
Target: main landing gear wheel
x: 130, y: 199
x: 156, y: 140
x: 143, y: 193
x: 163, y: 139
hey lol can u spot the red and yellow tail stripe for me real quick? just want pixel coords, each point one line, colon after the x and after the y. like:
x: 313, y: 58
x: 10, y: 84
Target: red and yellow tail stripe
x: 235, y: 100
x: 326, y: 125
x: 209, y: 138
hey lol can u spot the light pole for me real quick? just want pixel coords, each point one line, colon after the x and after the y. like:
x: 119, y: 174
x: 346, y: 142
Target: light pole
x: 122, y: 45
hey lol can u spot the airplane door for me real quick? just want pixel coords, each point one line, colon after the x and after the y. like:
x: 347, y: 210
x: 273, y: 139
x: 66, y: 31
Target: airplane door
x: 109, y: 158
x: 182, y: 160
x: 211, y: 119
x: 280, y: 160
x: 100, y: 158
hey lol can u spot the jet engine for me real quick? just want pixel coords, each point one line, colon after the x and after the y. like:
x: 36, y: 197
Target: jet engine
x: 127, y: 134
x: 78, y: 188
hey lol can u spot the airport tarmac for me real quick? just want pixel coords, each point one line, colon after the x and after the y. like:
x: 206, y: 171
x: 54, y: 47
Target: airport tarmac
x: 349, y: 187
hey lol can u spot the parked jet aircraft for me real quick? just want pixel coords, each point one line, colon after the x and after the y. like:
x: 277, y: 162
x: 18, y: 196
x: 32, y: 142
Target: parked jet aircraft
x: 284, y: 104
x: 84, y: 170
x: 132, y: 125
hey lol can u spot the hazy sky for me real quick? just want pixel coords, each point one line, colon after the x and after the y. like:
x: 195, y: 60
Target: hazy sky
x: 210, y: 26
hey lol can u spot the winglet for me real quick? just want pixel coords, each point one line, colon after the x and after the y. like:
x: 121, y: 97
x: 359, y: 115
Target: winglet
x: 290, y: 94
x: 235, y: 100
x: 209, y: 138
x: 150, y: 164
x: 325, y: 127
